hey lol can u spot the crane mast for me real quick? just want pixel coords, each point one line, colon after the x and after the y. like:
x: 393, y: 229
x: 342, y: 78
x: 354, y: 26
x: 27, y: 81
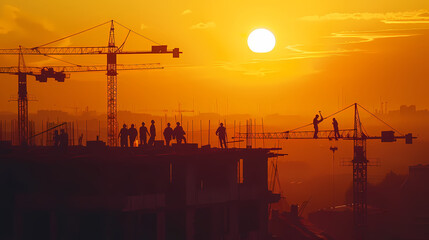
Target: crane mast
x: 22, y: 108
x: 112, y: 93
x: 22, y: 101
x: 360, y: 178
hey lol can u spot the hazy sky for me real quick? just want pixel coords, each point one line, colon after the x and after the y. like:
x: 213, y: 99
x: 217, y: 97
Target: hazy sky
x: 328, y: 54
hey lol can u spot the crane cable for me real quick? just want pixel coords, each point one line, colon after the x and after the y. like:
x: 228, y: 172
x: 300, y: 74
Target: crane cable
x: 125, y: 40
x: 71, y: 35
x: 380, y: 119
x: 323, y: 118
x: 59, y: 59
x: 129, y: 29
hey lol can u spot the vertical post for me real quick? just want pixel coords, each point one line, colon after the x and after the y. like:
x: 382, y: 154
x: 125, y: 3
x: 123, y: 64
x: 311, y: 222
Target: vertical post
x: 22, y: 109
x: 112, y: 111
x: 263, y: 133
x: 254, y: 129
x: 201, y: 132
x: 41, y: 135
x: 86, y: 131
x: 234, y: 136
x: 209, y: 133
x: 73, y: 132
x: 77, y: 131
x: 360, y: 179
x: 239, y: 134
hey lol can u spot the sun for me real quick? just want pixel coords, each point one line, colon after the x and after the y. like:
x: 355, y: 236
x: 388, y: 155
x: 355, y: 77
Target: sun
x: 261, y: 40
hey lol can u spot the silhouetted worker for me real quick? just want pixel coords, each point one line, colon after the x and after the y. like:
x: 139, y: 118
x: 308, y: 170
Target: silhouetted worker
x: 152, y: 133
x: 123, y: 135
x: 221, y: 132
x: 179, y: 133
x: 64, y: 140
x: 56, y: 139
x: 80, y: 140
x: 168, y: 133
x: 132, y: 133
x: 336, y: 131
x: 316, y: 122
x: 143, y: 134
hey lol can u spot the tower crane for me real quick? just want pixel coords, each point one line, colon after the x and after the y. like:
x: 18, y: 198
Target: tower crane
x: 359, y: 162
x: 111, y: 51
x: 59, y: 73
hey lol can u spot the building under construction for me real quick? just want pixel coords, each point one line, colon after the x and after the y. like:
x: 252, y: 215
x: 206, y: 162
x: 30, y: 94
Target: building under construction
x: 99, y: 192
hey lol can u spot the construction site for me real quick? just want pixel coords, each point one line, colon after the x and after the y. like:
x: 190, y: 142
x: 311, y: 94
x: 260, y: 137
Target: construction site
x: 89, y: 185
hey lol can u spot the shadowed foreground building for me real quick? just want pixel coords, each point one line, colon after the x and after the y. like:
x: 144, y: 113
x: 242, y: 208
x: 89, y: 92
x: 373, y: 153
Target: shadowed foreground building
x: 99, y: 192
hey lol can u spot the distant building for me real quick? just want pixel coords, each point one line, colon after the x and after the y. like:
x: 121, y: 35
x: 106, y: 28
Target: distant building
x: 410, y: 110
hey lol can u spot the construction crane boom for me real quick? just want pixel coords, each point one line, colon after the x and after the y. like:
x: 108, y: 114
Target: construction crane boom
x: 345, y: 134
x: 95, y: 68
x: 157, y: 49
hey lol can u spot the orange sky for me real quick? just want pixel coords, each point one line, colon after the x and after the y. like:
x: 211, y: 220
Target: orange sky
x: 328, y: 54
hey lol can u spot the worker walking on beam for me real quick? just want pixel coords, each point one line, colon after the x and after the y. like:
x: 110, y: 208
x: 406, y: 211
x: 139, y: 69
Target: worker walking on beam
x: 316, y: 122
x: 221, y: 132
x: 168, y: 133
x: 143, y: 134
x: 123, y: 135
x: 152, y: 133
x: 179, y: 133
x: 336, y: 131
x: 132, y: 133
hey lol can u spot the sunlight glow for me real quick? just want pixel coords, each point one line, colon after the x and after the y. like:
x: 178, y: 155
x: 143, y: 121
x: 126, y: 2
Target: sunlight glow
x: 261, y: 41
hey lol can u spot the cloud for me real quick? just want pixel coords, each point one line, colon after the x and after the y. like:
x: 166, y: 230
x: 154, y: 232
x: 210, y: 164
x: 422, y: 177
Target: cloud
x: 245, y: 69
x: 202, y: 25
x: 187, y: 11
x: 421, y: 16
x: 142, y: 26
x: 370, y: 36
x: 8, y: 18
x: 20, y: 28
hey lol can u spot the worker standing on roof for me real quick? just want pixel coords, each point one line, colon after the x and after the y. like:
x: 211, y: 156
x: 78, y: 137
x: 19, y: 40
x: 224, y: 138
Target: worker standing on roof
x: 168, y: 133
x: 179, y: 133
x: 316, y: 122
x: 123, y: 135
x: 64, y: 140
x: 56, y: 139
x: 152, y: 133
x: 221, y: 132
x: 132, y: 133
x: 336, y: 131
x: 143, y: 134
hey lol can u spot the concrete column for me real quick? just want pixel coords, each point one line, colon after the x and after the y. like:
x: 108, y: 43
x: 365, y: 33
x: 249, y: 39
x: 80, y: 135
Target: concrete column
x: 263, y: 220
x: 232, y: 179
x: 53, y: 225
x: 160, y: 225
x: 190, y: 219
x: 17, y: 225
x: 190, y: 184
x: 233, y: 221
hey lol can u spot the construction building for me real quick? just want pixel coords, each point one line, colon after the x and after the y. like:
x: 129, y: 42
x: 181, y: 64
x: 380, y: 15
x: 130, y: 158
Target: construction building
x: 99, y: 192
